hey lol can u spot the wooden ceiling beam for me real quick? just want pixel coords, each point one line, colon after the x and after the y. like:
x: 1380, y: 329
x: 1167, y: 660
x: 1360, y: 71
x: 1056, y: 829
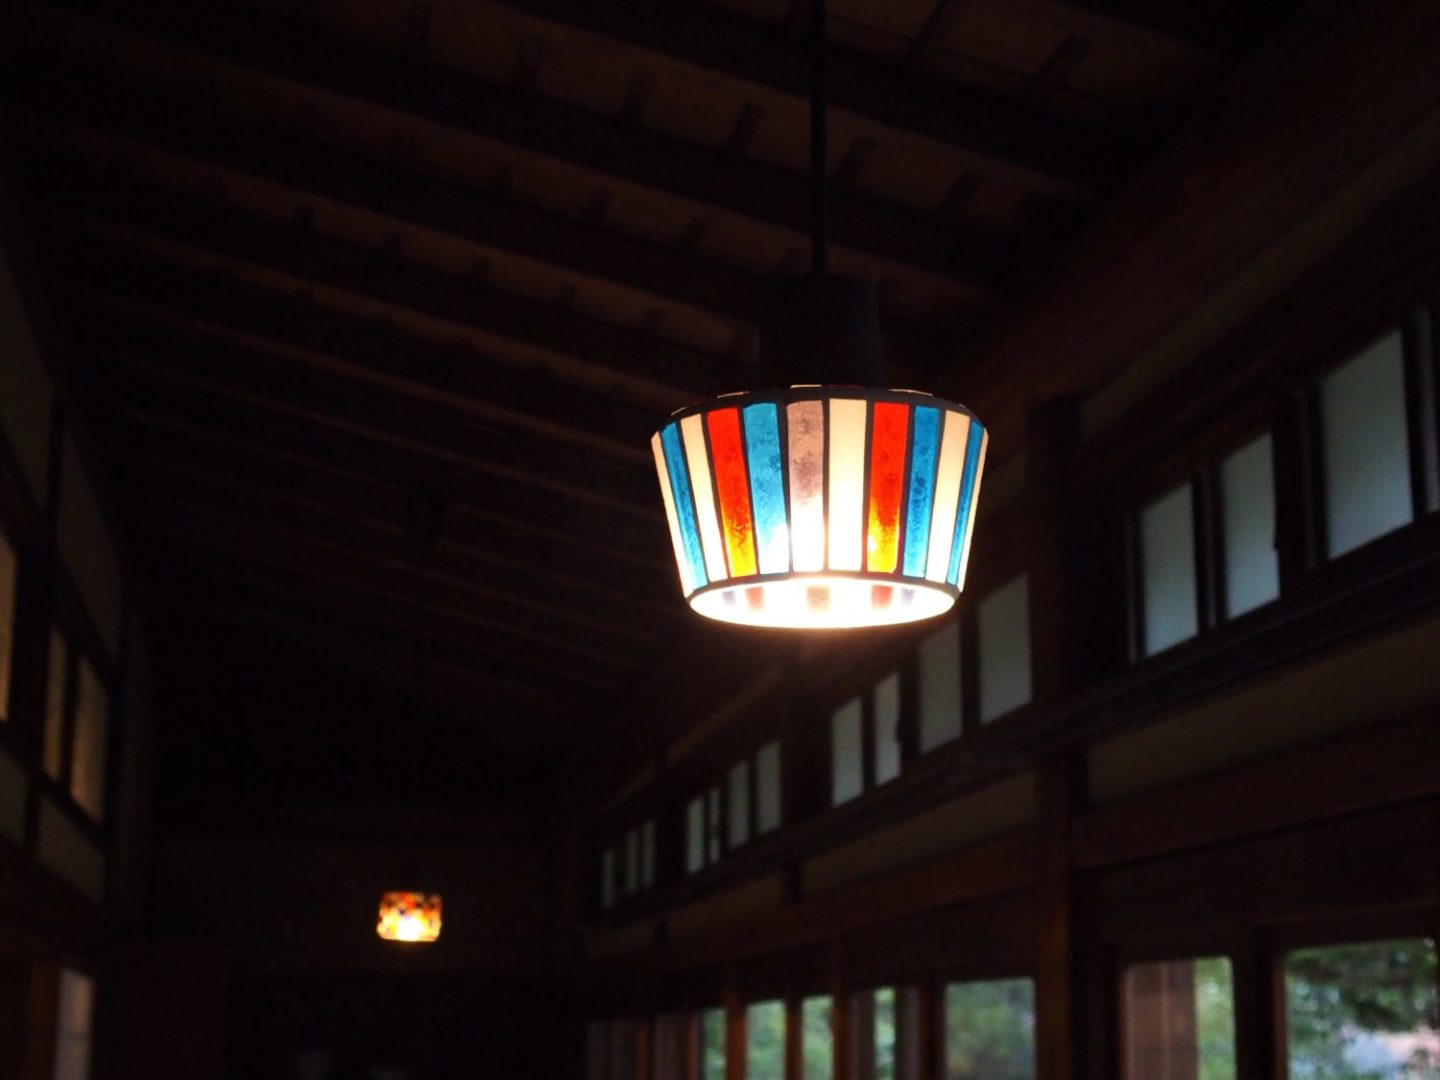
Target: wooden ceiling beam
x: 172, y: 372
x: 281, y: 48
x: 224, y: 300
x: 456, y: 575
x: 200, y: 582
x: 336, y: 551
x: 1003, y: 130
x: 155, y: 221
x: 288, y: 570
x: 481, y: 518
x: 483, y: 511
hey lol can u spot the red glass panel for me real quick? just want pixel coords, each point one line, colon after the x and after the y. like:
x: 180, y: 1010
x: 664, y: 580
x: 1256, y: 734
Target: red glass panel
x: 732, y: 483
x: 888, y: 431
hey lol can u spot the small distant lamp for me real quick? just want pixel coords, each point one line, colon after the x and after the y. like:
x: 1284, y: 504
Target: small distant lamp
x: 409, y: 916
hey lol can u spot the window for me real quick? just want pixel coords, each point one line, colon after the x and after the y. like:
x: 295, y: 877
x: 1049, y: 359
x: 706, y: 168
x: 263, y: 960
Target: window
x: 886, y: 731
x: 57, y: 690
x: 712, y: 1044
x: 712, y: 825
x: 847, y: 777
x: 73, y: 1026
x: 7, y: 621
x: 887, y: 1034
x: 695, y: 835
x: 1365, y: 447
x: 767, y: 789
x: 622, y: 1050
x: 1169, y: 606
x: 1247, y: 514
x: 1180, y: 1020
x: 765, y: 1040
x: 817, y: 1038
x: 1366, y: 1011
x: 940, y: 708
x: 1004, y: 632
x: 738, y: 794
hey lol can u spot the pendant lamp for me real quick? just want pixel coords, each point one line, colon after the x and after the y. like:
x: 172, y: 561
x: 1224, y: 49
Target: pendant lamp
x: 409, y: 917
x: 833, y: 502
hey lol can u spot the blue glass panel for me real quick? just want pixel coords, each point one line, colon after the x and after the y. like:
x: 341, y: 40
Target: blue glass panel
x: 924, y: 455
x: 967, y: 498
x: 684, y: 502
x: 767, y: 487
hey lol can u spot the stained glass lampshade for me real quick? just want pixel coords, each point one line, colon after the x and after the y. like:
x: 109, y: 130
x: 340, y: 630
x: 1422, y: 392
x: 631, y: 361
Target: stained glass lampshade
x: 409, y: 916
x: 821, y: 506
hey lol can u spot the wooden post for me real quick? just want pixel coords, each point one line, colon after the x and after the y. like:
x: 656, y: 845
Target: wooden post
x: 1058, y: 1024
x: 734, y: 1027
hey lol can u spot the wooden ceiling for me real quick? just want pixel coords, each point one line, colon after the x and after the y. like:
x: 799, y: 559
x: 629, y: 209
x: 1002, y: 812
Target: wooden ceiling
x: 309, y: 254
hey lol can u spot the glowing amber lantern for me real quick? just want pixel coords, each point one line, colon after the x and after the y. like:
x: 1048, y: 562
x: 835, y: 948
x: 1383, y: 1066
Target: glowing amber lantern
x: 409, y: 916
x: 821, y: 507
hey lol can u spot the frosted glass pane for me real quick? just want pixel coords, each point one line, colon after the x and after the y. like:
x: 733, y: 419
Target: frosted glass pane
x: 92, y: 731
x: 607, y: 878
x: 73, y: 1026
x: 1247, y: 506
x: 1004, y: 639
x: 739, y: 804
x: 940, y: 686
x: 7, y: 621
x: 767, y: 789
x: 694, y: 835
x: 1366, y: 452
x: 887, y: 728
x: 846, y: 481
x: 1167, y: 568
x: 847, y: 778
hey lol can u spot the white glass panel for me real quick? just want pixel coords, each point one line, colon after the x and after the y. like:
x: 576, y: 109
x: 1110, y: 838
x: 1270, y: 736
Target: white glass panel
x: 1366, y: 450
x: 940, y: 686
x: 767, y: 789
x: 887, y: 728
x: 847, y: 778
x: 667, y: 496
x: 1167, y: 568
x: 806, y: 436
x: 846, y: 484
x: 1247, y: 506
x: 692, y: 431
x: 1004, y: 639
x: 55, y: 678
x: 948, y: 478
x: 694, y: 835
x: 647, y: 855
x: 738, y: 789
x: 7, y: 621
x: 92, y: 726
x: 73, y: 1026
x: 607, y: 877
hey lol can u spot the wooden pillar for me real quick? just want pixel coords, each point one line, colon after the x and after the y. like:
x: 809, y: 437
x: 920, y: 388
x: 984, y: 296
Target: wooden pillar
x: 734, y: 1027
x: 1259, y: 1008
x: 1058, y: 1002
x: 42, y: 1020
x: 794, y: 1037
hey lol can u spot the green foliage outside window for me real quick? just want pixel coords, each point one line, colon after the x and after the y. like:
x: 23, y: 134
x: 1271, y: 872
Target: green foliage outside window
x: 765, y: 1041
x: 817, y: 1038
x: 990, y: 1030
x: 712, y: 1044
x: 1363, y: 1012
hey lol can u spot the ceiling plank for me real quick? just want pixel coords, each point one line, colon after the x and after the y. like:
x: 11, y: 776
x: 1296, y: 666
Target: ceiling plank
x: 288, y: 255
x: 481, y: 515
x: 173, y: 372
x: 1002, y: 130
x: 282, y: 48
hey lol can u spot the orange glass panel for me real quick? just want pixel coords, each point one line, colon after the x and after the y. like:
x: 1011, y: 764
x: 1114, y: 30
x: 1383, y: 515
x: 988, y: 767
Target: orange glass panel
x: 732, y: 483
x: 888, y: 432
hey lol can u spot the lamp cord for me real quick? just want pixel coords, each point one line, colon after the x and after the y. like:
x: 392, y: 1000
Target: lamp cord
x: 819, y: 163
